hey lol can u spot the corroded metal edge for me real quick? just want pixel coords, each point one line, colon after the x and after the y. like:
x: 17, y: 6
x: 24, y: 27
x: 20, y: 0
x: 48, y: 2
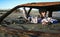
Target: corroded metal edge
x: 19, y: 32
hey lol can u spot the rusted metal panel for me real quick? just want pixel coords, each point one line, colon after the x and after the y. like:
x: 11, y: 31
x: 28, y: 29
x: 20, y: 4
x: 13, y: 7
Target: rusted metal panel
x: 19, y: 32
x: 41, y: 4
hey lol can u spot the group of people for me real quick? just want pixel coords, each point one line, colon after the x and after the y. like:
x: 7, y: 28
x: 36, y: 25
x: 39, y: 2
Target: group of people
x: 42, y: 19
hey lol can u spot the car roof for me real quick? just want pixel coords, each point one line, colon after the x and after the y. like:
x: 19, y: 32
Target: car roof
x: 41, y: 4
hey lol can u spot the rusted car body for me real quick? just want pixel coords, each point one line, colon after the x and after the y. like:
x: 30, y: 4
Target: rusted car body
x: 48, y: 6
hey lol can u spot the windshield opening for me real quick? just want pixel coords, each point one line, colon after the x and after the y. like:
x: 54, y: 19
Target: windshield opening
x: 18, y: 19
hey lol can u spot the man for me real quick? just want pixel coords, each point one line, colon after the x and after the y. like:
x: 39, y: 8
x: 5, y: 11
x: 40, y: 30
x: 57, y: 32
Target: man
x: 46, y: 21
x: 42, y: 13
x: 42, y: 17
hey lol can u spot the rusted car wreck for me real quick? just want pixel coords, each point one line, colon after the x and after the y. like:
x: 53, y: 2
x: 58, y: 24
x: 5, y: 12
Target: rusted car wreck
x: 48, y: 6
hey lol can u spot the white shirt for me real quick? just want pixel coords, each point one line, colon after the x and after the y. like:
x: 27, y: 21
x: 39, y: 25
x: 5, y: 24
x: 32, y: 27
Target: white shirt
x: 34, y: 20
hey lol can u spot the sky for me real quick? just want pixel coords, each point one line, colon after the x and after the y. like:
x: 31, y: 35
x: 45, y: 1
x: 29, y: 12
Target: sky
x: 9, y: 4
